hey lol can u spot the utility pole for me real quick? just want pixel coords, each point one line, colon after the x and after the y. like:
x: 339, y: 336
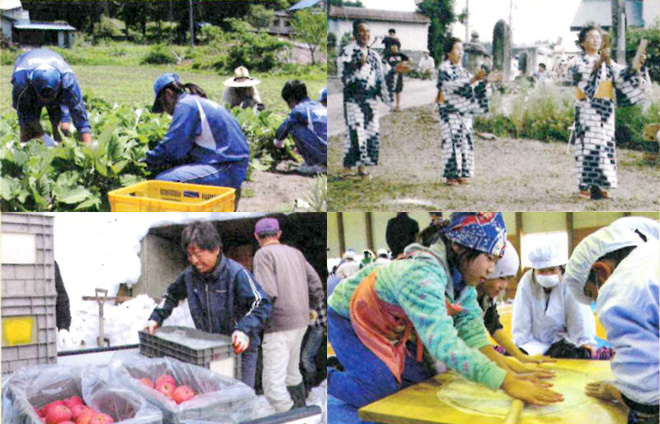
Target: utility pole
x: 467, y: 21
x: 619, y: 31
x: 192, y: 27
x: 511, y: 20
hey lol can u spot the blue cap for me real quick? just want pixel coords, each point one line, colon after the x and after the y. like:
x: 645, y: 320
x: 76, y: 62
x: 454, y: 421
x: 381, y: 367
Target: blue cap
x: 323, y: 94
x: 45, y: 77
x: 162, y: 82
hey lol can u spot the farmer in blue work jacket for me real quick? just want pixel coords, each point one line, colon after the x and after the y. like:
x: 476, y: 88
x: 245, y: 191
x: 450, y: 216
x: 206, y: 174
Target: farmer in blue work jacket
x: 204, y: 144
x: 223, y: 296
x: 41, y: 78
x: 308, y: 125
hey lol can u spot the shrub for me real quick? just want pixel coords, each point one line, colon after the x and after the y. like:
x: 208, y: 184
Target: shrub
x: 258, y: 52
x: 159, y: 55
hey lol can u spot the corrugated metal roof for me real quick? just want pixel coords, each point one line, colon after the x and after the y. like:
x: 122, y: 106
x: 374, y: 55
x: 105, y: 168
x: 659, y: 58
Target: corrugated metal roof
x: 600, y: 12
x: 10, y: 4
x: 376, y: 15
x: 45, y: 26
x: 304, y: 4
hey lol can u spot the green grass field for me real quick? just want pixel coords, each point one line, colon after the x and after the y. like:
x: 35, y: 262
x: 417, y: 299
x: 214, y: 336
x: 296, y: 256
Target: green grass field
x: 123, y: 80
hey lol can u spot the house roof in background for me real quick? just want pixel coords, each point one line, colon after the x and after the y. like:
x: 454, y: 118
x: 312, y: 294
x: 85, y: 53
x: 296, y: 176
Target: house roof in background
x: 600, y: 12
x: 352, y: 13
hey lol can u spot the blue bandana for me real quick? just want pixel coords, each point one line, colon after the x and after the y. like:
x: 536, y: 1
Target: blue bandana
x: 482, y: 231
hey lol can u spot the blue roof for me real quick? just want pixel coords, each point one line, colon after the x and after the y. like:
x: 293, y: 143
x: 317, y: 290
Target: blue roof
x: 45, y: 26
x: 304, y: 4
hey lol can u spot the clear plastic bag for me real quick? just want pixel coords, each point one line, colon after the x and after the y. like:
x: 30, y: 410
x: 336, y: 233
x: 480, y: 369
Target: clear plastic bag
x: 36, y: 386
x: 218, y: 398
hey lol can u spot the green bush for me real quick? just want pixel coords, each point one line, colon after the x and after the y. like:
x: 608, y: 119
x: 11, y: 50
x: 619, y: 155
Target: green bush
x: 258, y: 52
x: 159, y: 55
x: 8, y: 57
x: 109, y: 27
x: 633, y: 36
x: 161, y: 32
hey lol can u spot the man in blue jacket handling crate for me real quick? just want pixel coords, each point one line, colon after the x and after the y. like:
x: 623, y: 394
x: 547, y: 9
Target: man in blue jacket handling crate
x: 223, y: 296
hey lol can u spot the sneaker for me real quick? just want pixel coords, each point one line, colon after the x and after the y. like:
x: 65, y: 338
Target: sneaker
x: 333, y: 362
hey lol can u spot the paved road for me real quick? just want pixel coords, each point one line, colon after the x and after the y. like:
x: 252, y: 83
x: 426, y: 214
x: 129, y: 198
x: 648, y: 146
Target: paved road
x: 415, y: 93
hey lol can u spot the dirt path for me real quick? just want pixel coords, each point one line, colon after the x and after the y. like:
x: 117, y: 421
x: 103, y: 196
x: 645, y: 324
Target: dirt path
x: 274, y: 191
x: 511, y: 174
x: 416, y: 93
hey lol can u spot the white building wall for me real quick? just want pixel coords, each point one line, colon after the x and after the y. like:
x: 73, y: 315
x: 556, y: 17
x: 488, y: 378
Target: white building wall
x: 6, y: 28
x: 650, y: 13
x: 413, y: 37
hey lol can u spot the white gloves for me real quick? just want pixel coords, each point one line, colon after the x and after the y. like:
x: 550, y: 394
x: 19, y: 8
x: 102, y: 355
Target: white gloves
x: 240, y: 340
x: 278, y: 143
x: 151, y: 327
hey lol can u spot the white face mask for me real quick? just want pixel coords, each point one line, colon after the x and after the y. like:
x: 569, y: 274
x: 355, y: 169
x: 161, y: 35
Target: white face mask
x: 547, y: 281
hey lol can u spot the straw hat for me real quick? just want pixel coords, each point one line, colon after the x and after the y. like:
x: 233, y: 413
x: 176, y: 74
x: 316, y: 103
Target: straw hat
x: 241, y: 78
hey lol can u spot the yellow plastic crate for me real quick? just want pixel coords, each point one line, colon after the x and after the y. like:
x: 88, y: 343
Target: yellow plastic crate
x: 167, y: 196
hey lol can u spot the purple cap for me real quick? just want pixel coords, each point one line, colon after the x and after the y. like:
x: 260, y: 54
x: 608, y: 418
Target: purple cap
x: 267, y: 225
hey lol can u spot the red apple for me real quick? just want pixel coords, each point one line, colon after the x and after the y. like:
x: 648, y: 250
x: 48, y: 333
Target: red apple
x: 101, y: 418
x: 85, y: 416
x: 166, y: 377
x: 147, y: 382
x: 58, y: 413
x: 73, y: 401
x: 182, y: 394
x: 77, y: 410
x: 166, y: 388
x: 46, y: 408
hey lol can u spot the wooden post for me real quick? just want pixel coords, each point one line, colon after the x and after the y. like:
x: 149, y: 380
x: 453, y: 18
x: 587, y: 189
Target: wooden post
x: 569, y: 231
x: 370, y: 232
x: 340, y: 229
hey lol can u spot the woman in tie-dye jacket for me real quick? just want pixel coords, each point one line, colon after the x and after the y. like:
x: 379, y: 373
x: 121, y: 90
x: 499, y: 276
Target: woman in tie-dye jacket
x: 431, y: 293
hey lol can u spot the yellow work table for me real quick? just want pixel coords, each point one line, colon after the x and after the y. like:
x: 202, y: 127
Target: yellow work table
x: 450, y: 399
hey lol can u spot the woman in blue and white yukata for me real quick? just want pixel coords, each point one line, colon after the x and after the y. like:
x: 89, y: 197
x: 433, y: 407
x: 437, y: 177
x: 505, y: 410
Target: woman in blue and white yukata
x: 362, y: 73
x: 598, y: 80
x: 460, y: 95
x: 204, y: 144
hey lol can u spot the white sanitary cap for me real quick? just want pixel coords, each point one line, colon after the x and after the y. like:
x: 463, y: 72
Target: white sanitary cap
x: 382, y: 252
x: 593, y: 247
x: 646, y: 226
x: 349, y: 254
x: 508, y: 264
x: 547, y: 256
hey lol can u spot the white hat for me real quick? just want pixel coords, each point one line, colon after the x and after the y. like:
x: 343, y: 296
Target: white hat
x: 508, y: 264
x: 648, y: 227
x: 349, y: 254
x: 548, y: 255
x: 241, y: 78
x: 382, y: 252
x: 592, y: 248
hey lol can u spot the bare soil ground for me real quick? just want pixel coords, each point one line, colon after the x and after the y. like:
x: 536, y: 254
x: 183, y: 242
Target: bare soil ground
x: 510, y: 174
x: 277, y: 191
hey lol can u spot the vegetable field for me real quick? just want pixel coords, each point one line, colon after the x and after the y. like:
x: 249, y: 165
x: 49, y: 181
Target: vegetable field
x: 74, y: 177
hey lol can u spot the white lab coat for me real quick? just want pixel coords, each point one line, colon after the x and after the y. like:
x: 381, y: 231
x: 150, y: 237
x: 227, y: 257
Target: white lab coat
x: 627, y: 307
x: 536, y: 328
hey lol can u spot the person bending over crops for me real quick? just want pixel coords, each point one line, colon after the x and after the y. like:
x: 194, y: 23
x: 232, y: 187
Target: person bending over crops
x: 41, y: 78
x: 307, y: 125
x: 204, y: 144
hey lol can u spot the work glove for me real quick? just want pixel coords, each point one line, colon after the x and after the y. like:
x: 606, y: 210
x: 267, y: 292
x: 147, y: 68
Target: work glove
x: 278, y: 143
x: 151, y: 327
x: 240, y: 340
